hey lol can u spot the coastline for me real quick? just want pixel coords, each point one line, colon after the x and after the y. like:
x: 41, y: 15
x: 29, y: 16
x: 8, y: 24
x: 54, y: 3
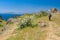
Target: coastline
x: 7, y: 16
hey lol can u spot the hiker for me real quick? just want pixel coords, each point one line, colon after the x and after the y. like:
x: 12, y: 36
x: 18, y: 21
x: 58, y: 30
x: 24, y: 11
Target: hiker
x: 50, y: 12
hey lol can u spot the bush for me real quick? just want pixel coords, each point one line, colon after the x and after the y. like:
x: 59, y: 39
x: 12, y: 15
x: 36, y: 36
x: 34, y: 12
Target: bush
x: 43, y: 13
x: 38, y: 15
x: 26, y: 22
x: 1, y: 25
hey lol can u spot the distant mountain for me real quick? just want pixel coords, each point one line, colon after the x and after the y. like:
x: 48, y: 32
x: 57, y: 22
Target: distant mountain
x: 12, y: 13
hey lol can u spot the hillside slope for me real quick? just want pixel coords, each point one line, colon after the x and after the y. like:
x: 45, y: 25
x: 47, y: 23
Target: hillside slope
x: 50, y: 32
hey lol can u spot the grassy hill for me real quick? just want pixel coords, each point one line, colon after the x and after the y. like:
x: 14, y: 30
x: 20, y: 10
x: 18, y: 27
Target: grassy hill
x: 50, y: 32
x: 31, y: 30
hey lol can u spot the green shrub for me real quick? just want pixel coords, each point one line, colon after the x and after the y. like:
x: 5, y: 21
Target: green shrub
x: 43, y: 13
x: 26, y: 22
x: 38, y: 15
x: 1, y: 25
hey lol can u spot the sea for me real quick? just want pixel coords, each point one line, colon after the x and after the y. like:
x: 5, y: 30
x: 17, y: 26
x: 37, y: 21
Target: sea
x: 7, y: 16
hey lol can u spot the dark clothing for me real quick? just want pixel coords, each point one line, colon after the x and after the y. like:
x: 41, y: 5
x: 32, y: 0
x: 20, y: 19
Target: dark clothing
x: 50, y: 17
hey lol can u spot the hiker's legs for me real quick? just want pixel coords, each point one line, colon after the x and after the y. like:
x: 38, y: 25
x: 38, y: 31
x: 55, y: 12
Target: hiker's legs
x: 50, y: 18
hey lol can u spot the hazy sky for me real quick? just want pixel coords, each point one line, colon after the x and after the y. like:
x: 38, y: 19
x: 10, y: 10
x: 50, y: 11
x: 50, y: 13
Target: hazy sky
x: 29, y: 6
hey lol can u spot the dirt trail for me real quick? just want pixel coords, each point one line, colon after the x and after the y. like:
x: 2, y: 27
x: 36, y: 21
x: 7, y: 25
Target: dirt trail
x: 7, y: 33
x: 51, y: 32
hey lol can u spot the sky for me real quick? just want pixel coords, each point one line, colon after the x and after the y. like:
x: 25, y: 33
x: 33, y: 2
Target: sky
x: 27, y: 6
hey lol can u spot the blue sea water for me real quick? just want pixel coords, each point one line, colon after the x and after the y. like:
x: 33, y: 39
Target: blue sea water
x: 6, y: 16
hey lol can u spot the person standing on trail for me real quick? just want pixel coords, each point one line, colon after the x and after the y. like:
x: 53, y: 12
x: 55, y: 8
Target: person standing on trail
x: 50, y: 12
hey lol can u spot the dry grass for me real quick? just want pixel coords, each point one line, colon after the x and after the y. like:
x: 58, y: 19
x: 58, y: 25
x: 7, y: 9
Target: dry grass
x: 38, y: 33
